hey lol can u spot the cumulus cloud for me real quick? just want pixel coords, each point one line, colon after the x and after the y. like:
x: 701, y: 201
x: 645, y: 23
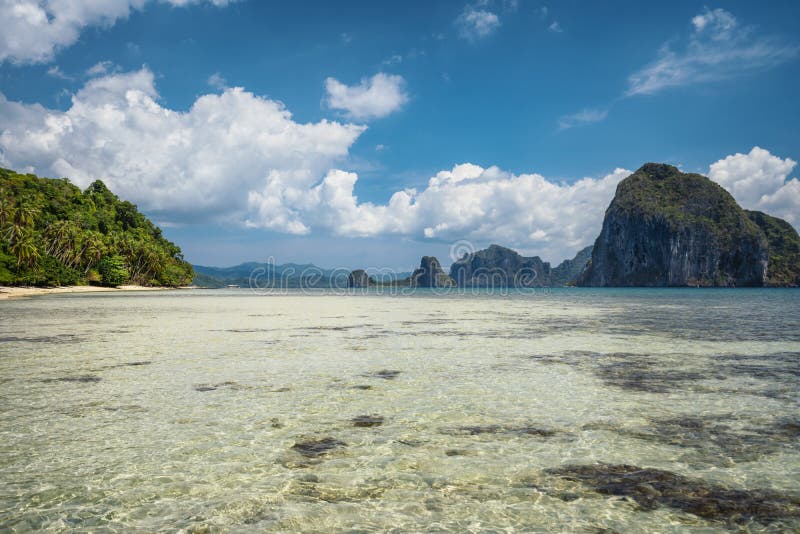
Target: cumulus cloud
x: 240, y: 158
x: 33, y: 30
x: 56, y: 72
x: 217, y: 81
x: 475, y: 23
x: 760, y: 181
x: 178, y: 166
x: 526, y: 211
x: 718, y: 48
x: 586, y: 116
x: 372, y: 98
x: 101, y: 68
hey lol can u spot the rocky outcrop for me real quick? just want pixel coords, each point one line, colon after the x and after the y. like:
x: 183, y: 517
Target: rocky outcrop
x: 430, y: 274
x: 568, y: 271
x: 783, y: 264
x: 667, y: 228
x: 360, y: 278
x: 499, y: 266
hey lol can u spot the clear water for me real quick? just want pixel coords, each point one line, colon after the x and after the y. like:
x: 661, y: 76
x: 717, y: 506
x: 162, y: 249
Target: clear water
x: 182, y: 410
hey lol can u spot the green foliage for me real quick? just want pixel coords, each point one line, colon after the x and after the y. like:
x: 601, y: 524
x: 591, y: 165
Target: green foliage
x: 783, y: 268
x: 52, y: 233
x: 112, y: 271
x: 659, y: 191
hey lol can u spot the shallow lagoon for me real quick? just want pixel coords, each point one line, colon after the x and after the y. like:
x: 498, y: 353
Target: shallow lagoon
x: 463, y: 412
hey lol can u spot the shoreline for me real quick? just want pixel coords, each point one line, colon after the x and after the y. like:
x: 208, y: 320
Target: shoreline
x: 14, y: 292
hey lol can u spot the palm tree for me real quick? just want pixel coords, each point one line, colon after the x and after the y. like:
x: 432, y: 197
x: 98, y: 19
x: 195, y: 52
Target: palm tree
x: 6, y: 211
x: 25, y: 249
x: 58, y: 237
x: 92, y: 250
x: 24, y: 214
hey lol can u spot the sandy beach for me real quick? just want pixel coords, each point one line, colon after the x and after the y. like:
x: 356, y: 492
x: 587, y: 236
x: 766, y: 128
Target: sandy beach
x: 19, y: 292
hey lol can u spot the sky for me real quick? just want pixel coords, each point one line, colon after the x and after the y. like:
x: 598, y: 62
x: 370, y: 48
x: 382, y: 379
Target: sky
x: 367, y: 134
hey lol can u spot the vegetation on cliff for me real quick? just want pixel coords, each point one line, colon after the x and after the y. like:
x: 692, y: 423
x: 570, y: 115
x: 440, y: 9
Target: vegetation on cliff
x: 52, y: 233
x: 783, y: 266
x: 683, y: 200
x: 668, y: 228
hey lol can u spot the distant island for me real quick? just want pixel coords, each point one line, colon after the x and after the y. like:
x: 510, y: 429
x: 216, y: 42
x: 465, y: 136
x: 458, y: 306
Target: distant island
x: 54, y: 234
x: 664, y: 228
x: 668, y: 228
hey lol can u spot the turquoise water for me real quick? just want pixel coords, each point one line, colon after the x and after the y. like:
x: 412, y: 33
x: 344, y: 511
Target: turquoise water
x: 231, y: 410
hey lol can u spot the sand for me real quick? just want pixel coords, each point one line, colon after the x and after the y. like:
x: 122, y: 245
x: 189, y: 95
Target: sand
x: 17, y: 292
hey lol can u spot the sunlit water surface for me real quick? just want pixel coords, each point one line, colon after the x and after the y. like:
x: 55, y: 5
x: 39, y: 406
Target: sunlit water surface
x: 229, y: 410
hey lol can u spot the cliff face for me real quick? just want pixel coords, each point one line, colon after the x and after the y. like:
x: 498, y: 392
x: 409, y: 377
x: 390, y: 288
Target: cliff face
x: 667, y: 228
x: 498, y: 266
x: 430, y: 274
x: 783, y: 265
x: 568, y: 271
x: 360, y: 278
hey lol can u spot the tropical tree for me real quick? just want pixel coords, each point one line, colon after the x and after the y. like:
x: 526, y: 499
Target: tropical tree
x: 6, y: 211
x: 25, y: 249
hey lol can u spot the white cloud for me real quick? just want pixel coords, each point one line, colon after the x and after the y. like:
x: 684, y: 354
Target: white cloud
x: 393, y: 60
x: 718, y: 21
x: 56, y: 72
x: 718, y: 48
x: 102, y: 68
x: 178, y: 166
x: 526, y: 211
x: 474, y: 23
x: 34, y: 30
x: 217, y: 81
x: 372, y: 98
x: 240, y: 158
x: 760, y: 181
x: 586, y: 116
x: 555, y: 27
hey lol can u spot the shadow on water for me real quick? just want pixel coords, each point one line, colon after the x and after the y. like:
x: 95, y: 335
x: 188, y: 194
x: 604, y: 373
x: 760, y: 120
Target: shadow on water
x: 317, y: 447
x: 652, y: 488
x: 714, y: 440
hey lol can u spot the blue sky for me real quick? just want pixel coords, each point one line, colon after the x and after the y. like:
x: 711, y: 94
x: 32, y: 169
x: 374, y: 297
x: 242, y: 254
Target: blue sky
x: 548, y: 105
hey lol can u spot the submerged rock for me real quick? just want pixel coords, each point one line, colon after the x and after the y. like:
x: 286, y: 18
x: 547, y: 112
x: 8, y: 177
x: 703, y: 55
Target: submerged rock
x: 386, y: 374
x: 317, y: 447
x: 213, y: 387
x: 367, y: 420
x: 523, y: 430
x: 83, y: 379
x: 651, y: 488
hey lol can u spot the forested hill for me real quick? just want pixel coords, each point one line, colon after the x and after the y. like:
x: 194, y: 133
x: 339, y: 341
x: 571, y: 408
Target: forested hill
x: 52, y: 233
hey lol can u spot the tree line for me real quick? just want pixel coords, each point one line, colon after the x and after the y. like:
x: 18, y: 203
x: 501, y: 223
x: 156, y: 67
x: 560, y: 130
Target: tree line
x: 52, y: 233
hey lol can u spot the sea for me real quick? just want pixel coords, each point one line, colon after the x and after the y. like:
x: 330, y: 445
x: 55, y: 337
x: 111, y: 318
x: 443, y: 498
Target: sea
x: 543, y: 410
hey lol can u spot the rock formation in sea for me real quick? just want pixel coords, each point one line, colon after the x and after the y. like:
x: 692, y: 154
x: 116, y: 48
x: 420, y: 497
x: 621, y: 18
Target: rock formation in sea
x: 360, y: 278
x: 430, y: 274
x: 668, y: 228
x: 783, y: 265
x: 567, y: 272
x: 499, y: 266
